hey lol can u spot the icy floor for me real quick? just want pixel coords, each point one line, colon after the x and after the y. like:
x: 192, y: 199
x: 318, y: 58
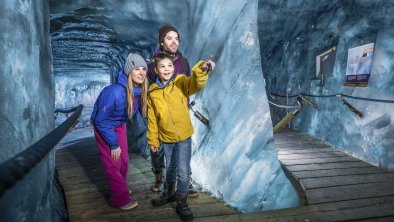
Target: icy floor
x: 74, y: 137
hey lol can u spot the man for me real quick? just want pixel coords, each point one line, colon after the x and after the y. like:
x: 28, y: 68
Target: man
x: 169, y: 40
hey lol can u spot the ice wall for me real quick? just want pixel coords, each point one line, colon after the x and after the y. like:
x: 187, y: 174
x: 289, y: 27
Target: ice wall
x: 288, y: 62
x: 235, y: 157
x: 26, y: 111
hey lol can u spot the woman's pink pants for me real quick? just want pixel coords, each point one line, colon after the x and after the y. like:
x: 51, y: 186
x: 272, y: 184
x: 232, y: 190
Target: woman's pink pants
x: 115, y: 171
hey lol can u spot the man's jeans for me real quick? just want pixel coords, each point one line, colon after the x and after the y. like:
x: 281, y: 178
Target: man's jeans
x: 157, y: 160
x: 136, y: 135
x: 178, y: 157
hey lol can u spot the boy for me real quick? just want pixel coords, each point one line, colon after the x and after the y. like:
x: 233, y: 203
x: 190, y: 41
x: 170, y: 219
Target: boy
x: 169, y: 123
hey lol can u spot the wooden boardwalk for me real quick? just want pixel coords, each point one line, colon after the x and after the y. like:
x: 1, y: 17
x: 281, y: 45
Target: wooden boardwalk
x: 86, y: 189
x: 334, y: 186
x: 328, y: 175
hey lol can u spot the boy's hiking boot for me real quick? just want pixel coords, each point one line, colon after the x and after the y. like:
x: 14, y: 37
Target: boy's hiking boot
x: 167, y: 196
x: 182, y: 207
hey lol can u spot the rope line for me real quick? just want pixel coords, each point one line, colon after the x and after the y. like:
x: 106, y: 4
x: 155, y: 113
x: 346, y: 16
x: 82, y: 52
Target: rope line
x: 66, y: 110
x: 70, y: 110
x: 369, y: 99
x: 310, y: 95
x: 335, y: 95
x: 284, y: 96
x: 283, y: 106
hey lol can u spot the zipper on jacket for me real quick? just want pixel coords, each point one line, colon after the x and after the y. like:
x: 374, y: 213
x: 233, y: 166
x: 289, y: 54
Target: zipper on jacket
x: 172, y: 119
x: 186, y: 106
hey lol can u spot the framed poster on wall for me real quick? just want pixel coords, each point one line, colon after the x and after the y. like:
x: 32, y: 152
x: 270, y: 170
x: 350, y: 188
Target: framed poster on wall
x: 325, y: 64
x: 359, y: 65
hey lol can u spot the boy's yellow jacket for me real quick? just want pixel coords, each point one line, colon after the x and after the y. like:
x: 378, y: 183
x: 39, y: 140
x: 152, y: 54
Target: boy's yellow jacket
x: 168, y: 112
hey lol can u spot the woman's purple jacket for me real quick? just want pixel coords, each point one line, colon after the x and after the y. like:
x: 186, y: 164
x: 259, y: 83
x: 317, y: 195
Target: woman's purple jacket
x: 110, y: 109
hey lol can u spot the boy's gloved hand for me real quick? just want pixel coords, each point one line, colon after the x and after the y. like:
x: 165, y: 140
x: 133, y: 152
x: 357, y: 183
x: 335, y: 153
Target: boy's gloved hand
x: 207, y: 65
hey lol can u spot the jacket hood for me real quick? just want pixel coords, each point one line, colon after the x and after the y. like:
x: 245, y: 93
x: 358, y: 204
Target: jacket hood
x: 159, y: 50
x: 159, y: 85
x: 122, y: 77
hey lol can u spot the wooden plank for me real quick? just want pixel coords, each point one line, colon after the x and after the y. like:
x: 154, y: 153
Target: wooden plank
x: 311, y: 156
x: 321, y: 160
x: 300, y: 146
x: 370, y: 213
x: 293, y: 137
x: 97, y: 171
x: 323, y: 166
x: 336, y: 172
x: 94, y: 190
x: 105, y: 212
x: 333, y: 206
x: 97, y: 200
x: 350, y: 192
x: 84, y: 161
x: 381, y: 219
x: 300, y: 151
x: 220, y: 218
x: 149, y: 213
x: 76, y: 154
x: 99, y: 175
x: 102, y: 181
x: 320, y: 182
x: 77, y: 151
x: 296, y: 138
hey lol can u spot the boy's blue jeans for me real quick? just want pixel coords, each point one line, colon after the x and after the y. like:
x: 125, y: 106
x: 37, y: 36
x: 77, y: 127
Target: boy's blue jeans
x: 178, y: 156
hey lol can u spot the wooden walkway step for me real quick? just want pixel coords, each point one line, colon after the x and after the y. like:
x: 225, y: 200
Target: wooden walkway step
x: 336, y: 187
x: 328, y: 175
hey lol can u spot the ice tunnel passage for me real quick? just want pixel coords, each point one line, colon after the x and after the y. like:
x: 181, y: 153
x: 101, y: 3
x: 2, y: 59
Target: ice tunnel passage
x: 90, y: 44
x: 235, y: 159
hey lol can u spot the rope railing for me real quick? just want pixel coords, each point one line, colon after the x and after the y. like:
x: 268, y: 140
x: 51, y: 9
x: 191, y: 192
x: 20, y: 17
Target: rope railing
x: 368, y: 99
x: 66, y: 110
x: 283, y: 106
x: 69, y: 110
x: 14, y: 169
x: 289, y: 117
x: 336, y: 95
x: 302, y: 97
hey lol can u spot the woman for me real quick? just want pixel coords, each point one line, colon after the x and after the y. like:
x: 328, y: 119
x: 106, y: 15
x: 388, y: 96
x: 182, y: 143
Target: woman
x: 114, y: 105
